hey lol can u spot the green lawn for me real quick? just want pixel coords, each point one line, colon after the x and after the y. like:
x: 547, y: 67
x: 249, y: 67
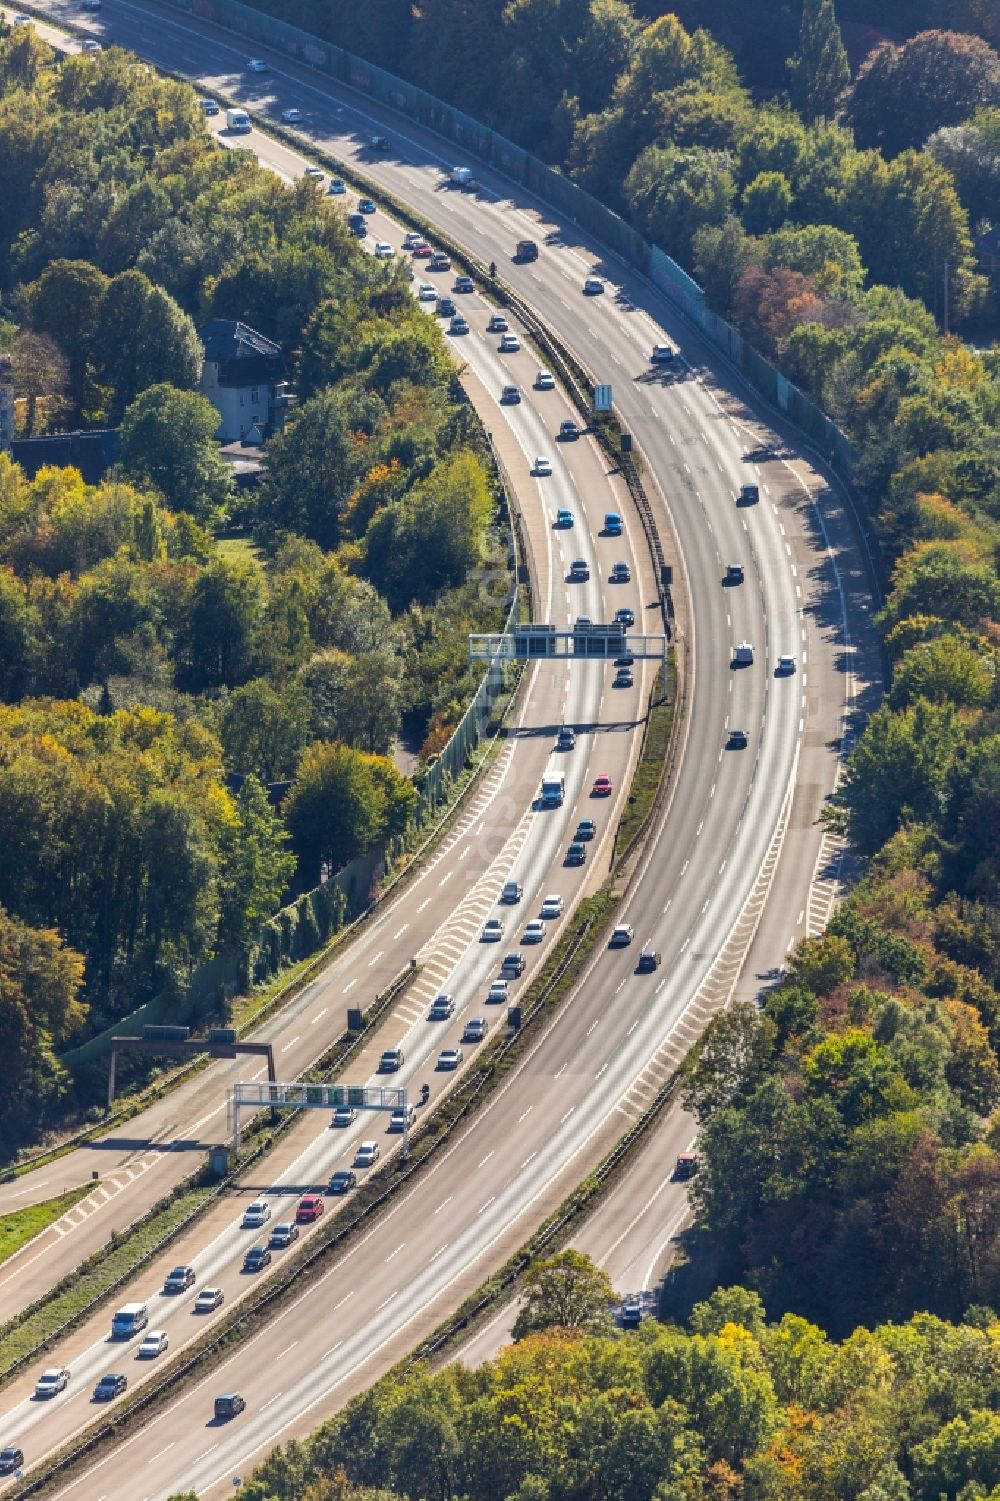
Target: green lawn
x: 19, y: 1227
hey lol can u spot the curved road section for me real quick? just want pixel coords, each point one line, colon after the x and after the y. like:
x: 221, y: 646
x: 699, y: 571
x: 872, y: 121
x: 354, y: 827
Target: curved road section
x: 739, y: 855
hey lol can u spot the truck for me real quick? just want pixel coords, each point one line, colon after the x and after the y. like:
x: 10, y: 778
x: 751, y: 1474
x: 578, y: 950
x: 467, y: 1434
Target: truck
x: 553, y: 790
x: 356, y: 224
x: 526, y: 250
x: 129, y: 1320
x: 238, y: 121
x: 461, y: 177
x: 612, y: 524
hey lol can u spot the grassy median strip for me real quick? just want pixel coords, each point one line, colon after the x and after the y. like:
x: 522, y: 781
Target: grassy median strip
x: 22, y: 1225
x: 649, y: 772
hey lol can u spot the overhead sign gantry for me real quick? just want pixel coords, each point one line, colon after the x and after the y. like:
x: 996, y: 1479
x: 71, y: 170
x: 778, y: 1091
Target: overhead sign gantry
x: 586, y: 639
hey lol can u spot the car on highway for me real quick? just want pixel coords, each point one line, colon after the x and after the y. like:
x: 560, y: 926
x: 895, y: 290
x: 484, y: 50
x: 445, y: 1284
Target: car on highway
x: 498, y: 324
x: 566, y: 739
x: 442, y: 1007
x: 282, y: 1235
x: 630, y: 1313
x: 367, y: 1154
x: 492, y: 930
x: 439, y: 261
x: 51, y: 1382
x: 509, y: 344
x: 625, y: 616
x: 734, y: 573
x: 383, y: 250
x: 421, y: 251
x: 209, y: 1299
x: 497, y: 994
x: 209, y: 107
x: 649, y: 960
x: 365, y: 206
x: 343, y: 1180
x: 526, y: 250
x: 256, y: 1259
x: 292, y: 116
x: 391, y: 1061
x: 579, y: 572
x: 513, y: 964
x: 229, y: 1406
x: 426, y: 292
x: 463, y: 284
x: 153, y: 1343
x: 256, y: 1214
x: 475, y: 1029
x: 576, y: 854
x: 564, y: 518
x: 337, y: 186
x: 623, y: 678
x: 356, y: 224
x: 445, y: 307
x: 738, y: 739
x: 613, y: 524
x: 380, y: 143
x: 412, y: 239
x: 91, y: 46
x: 785, y: 667
x: 568, y: 431
x: 662, y: 354
x: 11, y: 1459
x: 111, y: 1385
x: 552, y: 906
x: 450, y: 1058
x: 593, y: 286
x: 402, y: 1117
x: 534, y: 931
x: 621, y: 936
x: 625, y: 660
x: 458, y: 325
x: 512, y: 893
x: 344, y: 1115
x: 179, y: 1280
x: 602, y: 787
x: 686, y: 1166
x: 621, y: 573
x: 542, y: 467
x: 749, y: 495
x: 545, y: 381
x: 585, y: 829
x: 22, y: 20
x: 510, y: 396
x: 310, y: 1208
x: 256, y: 65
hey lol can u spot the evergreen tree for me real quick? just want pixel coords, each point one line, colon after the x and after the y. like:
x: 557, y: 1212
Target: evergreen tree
x: 819, y: 72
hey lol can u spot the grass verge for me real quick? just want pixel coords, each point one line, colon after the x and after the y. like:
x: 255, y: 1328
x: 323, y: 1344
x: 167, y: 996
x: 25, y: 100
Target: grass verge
x: 649, y: 770
x: 24, y: 1224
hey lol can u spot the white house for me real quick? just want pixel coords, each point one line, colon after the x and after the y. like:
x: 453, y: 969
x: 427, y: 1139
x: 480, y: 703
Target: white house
x: 244, y: 378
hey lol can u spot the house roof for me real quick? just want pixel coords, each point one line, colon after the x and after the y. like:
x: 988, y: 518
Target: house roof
x: 227, y: 339
x: 93, y: 453
x: 989, y: 242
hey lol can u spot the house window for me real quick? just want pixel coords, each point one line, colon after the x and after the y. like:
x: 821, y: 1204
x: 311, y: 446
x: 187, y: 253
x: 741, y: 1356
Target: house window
x: 243, y: 400
x: 254, y: 396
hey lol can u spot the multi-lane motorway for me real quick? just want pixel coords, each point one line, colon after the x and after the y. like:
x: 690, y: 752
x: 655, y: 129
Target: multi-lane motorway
x: 732, y: 814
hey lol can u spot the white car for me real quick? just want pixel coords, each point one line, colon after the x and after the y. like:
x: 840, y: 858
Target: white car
x: 492, y: 930
x: 543, y: 466
x: 316, y: 173
x: 498, y: 324
x: 458, y: 325
x: 344, y: 1115
x: 50, y: 1383
x: 662, y: 354
x: 256, y: 1214
x: 256, y: 65
x: 509, y: 344
x: 552, y: 907
x: 450, y: 1058
x: 154, y: 1343
x: 292, y: 116
x: 621, y: 936
x: 367, y: 1154
x: 337, y: 186
x: 91, y: 46
x: 427, y: 293
x: 209, y: 1299
x: 412, y: 239
x: 498, y: 993
x: 476, y: 1029
x: 535, y: 931
x: 383, y: 250
x: 545, y: 381
x: 593, y: 286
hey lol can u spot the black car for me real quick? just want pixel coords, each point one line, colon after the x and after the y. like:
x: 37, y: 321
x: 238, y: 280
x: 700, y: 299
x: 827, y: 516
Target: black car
x: 631, y: 1313
x: 343, y: 1180
x: 11, y: 1459
x: 738, y: 740
x: 734, y: 573
x: 576, y: 854
x: 256, y: 1259
x: 109, y: 1386
x: 625, y: 660
x: 229, y: 1406
x: 585, y: 829
x: 649, y: 960
x: 381, y: 143
x: 463, y: 284
x: 446, y: 307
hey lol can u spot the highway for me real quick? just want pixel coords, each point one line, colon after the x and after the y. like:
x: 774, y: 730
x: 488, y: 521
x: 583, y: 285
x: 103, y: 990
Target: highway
x: 732, y: 814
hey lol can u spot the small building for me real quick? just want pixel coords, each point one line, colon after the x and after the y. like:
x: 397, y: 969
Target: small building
x: 987, y: 248
x: 93, y: 452
x: 244, y: 378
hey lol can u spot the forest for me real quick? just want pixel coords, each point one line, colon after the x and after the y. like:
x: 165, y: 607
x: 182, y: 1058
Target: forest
x: 201, y: 687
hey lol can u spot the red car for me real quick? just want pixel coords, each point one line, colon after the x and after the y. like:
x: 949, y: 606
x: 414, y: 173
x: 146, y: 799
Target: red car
x: 421, y: 250
x: 310, y: 1208
x: 602, y: 787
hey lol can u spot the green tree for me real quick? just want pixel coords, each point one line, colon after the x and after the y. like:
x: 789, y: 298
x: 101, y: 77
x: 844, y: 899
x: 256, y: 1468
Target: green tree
x: 256, y: 868
x: 340, y: 803
x: 899, y: 771
x: 733, y: 1051
x: 819, y: 72
x: 674, y: 191
x: 227, y: 604
x: 168, y: 440
x: 265, y: 728
x: 64, y: 303
x: 143, y: 338
x: 947, y: 670
x: 566, y: 1290
x: 313, y: 467
x: 767, y: 203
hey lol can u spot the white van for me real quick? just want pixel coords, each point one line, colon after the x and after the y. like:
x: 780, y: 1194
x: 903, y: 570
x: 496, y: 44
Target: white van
x: 239, y: 121
x: 131, y: 1319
